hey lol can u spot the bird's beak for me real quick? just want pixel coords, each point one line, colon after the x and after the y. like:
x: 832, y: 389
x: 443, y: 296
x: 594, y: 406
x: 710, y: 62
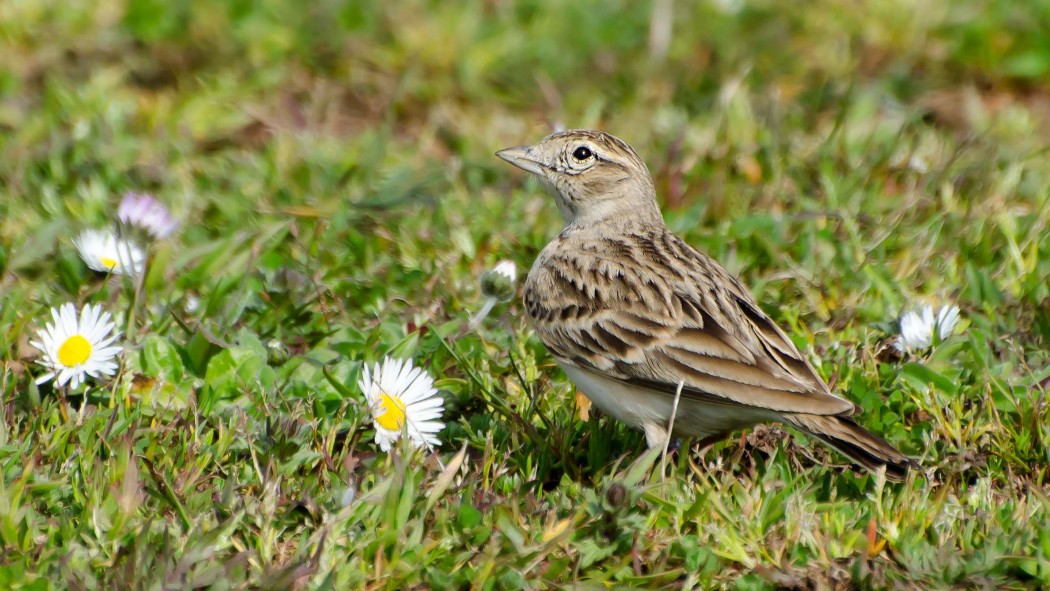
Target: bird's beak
x: 524, y: 157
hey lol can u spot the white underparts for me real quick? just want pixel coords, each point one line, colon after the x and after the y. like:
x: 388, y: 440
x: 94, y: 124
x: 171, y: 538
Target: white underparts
x: 650, y: 411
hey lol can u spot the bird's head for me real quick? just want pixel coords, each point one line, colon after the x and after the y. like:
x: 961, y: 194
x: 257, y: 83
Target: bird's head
x: 594, y: 176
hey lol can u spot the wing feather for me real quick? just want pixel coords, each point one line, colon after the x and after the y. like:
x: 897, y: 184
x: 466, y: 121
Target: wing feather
x: 665, y: 315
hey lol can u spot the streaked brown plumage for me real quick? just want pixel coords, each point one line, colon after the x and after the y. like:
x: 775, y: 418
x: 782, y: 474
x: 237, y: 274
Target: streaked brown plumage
x: 630, y: 311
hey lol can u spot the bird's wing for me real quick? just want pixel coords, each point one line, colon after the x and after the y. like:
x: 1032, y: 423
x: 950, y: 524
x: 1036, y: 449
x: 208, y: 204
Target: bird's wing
x: 651, y: 311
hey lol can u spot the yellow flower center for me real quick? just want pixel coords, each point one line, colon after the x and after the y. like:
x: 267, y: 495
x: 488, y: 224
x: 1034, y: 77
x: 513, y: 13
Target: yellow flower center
x: 393, y: 417
x: 74, y: 351
x: 108, y: 262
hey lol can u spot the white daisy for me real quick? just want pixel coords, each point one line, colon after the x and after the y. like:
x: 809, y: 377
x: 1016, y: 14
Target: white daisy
x: 143, y: 211
x: 75, y: 347
x: 402, y: 399
x: 103, y: 251
x: 918, y: 327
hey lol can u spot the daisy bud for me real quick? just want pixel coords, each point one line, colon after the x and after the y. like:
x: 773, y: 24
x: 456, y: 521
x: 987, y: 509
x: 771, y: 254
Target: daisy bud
x: 276, y: 352
x: 616, y: 495
x: 499, y: 283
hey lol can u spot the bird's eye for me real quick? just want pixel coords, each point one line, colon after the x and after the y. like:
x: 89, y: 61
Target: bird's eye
x: 582, y: 153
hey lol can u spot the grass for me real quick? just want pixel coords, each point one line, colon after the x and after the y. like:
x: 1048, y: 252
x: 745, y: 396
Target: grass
x: 333, y: 166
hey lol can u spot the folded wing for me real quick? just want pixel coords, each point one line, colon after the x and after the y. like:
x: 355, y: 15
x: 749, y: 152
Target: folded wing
x: 667, y: 314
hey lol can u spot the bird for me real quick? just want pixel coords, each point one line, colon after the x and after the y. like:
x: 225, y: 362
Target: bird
x: 651, y: 328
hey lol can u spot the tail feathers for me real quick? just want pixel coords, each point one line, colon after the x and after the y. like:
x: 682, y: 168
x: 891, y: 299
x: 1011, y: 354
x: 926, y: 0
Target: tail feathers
x: 856, y: 442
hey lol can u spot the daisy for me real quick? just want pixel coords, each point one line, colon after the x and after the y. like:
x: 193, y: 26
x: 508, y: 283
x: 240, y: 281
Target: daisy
x: 143, y: 211
x: 918, y: 327
x: 497, y: 285
x: 402, y: 399
x: 499, y: 282
x: 103, y: 251
x: 73, y: 348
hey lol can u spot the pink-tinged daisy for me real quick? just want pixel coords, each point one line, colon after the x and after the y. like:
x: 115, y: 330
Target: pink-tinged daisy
x: 143, y: 211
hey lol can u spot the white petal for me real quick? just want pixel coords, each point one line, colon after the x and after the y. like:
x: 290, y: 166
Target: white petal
x: 88, y: 314
x: 104, y: 344
x: 107, y: 368
x: 384, y: 440
x: 401, y: 380
x: 69, y: 319
x: 429, y: 426
x: 417, y: 393
x: 426, y: 405
x: 63, y: 377
x: 429, y: 415
x: 365, y: 382
x: 507, y: 268
x: 106, y: 353
x: 947, y: 318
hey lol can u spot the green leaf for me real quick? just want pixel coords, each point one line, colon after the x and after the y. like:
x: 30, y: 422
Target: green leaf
x: 160, y: 358
x: 469, y: 517
x: 921, y: 377
x: 641, y: 466
x: 444, y: 479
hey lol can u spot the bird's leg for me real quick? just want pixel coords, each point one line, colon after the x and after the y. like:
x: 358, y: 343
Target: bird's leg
x: 670, y: 425
x: 655, y: 434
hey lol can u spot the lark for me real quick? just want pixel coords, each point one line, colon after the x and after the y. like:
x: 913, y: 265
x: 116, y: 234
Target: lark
x: 647, y: 326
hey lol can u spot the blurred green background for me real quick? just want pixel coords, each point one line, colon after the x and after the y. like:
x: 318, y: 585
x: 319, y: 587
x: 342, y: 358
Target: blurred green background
x: 333, y: 165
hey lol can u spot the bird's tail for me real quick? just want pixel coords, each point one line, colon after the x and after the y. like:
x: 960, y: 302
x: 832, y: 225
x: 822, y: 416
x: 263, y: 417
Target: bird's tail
x: 856, y: 442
